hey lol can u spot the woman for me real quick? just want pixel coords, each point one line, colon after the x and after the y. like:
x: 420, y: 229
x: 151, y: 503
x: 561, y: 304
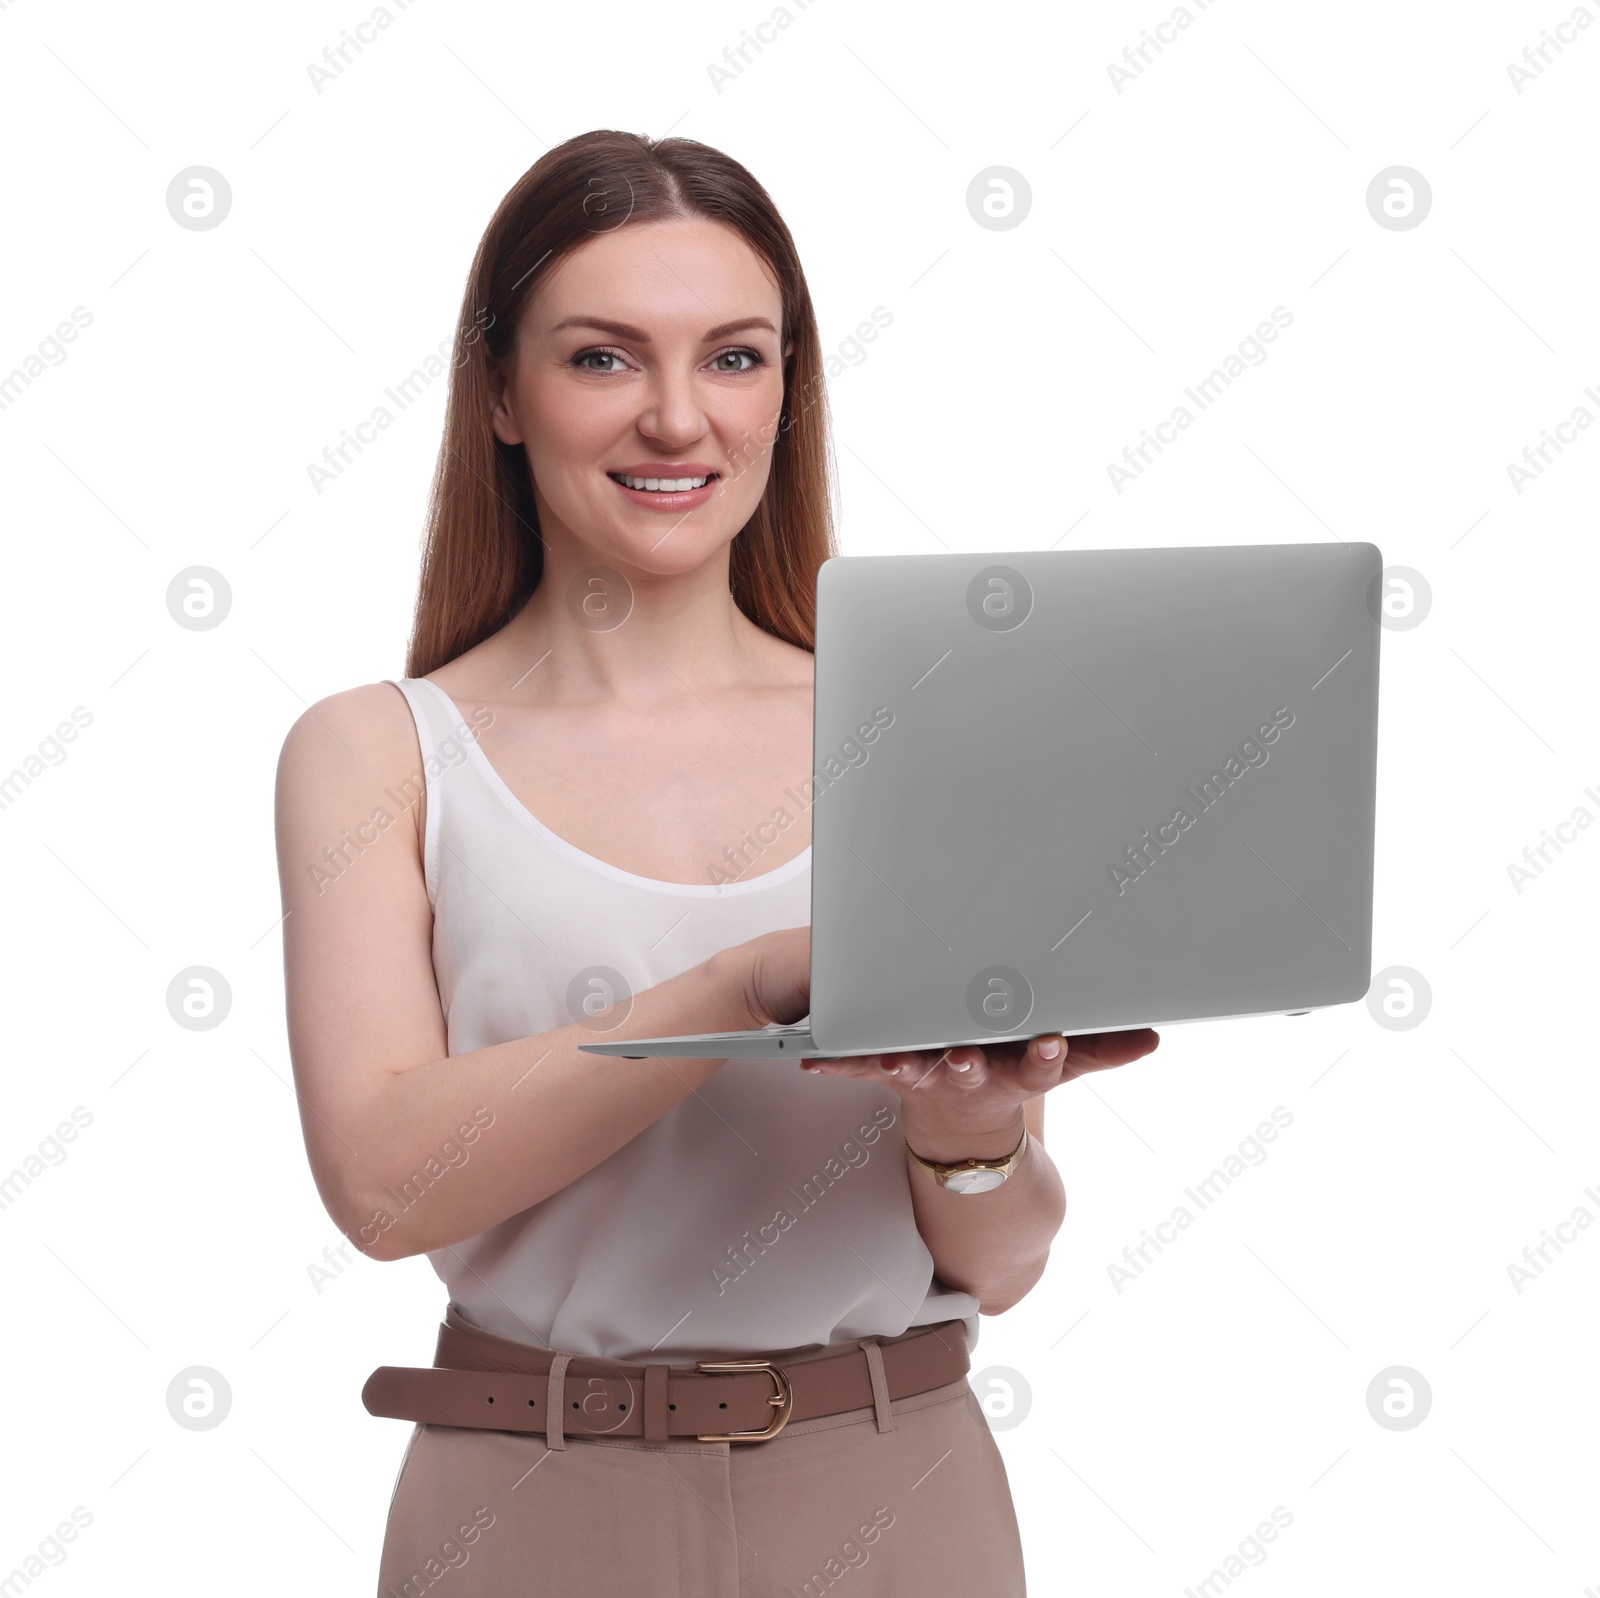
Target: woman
x: 577, y: 816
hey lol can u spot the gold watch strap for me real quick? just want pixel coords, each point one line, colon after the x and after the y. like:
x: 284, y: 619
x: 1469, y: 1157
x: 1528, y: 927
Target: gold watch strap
x: 937, y: 1171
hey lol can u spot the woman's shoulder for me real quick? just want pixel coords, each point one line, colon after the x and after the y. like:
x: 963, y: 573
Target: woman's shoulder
x: 371, y: 718
x: 342, y: 751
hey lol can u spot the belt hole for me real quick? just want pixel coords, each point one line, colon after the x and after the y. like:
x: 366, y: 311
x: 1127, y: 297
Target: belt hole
x: 622, y: 1409
x: 574, y: 1403
x: 530, y: 1403
x: 719, y: 1406
x: 491, y: 1398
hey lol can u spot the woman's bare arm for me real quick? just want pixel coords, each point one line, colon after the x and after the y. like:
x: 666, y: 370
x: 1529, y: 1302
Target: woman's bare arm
x: 413, y: 1149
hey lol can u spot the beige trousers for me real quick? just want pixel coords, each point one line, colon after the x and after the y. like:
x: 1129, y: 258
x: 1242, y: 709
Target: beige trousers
x: 831, y: 1508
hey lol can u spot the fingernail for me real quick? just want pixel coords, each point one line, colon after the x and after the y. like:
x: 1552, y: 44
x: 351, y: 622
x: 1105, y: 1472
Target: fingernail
x: 1050, y: 1050
x: 961, y: 1065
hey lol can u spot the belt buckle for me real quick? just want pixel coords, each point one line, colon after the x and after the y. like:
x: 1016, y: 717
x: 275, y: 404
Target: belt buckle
x: 782, y: 1400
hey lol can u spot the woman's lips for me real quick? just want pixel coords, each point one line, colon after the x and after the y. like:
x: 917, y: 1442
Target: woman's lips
x: 656, y: 499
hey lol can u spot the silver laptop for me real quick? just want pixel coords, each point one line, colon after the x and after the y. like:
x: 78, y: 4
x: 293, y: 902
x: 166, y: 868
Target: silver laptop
x: 1083, y: 791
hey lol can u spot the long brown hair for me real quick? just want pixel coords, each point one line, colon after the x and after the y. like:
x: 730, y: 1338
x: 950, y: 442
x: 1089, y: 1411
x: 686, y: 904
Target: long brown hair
x: 482, y: 553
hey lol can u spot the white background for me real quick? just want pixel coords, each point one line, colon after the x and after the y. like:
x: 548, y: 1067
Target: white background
x: 1229, y: 177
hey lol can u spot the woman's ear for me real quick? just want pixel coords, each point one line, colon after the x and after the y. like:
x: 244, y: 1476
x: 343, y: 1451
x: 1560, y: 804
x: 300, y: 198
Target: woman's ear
x: 501, y: 417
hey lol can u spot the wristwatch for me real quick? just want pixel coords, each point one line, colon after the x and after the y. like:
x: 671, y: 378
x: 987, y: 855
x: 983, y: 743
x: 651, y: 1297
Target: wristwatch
x: 973, y: 1176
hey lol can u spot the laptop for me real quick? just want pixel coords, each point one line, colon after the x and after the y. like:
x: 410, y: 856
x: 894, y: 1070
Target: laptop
x: 1083, y: 791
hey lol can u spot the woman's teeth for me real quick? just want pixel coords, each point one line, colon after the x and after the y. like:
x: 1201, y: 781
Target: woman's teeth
x: 659, y: 485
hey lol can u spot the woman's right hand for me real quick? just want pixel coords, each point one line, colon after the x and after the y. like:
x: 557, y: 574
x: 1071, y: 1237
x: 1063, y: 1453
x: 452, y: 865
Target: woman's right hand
x: 774, y: 973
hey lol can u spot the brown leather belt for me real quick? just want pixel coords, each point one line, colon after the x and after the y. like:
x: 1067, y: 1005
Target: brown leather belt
x: 479, y: 1379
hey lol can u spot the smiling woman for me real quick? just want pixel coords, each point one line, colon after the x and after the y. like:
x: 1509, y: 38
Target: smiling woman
x: 614, y: 626
x: 617, y: 207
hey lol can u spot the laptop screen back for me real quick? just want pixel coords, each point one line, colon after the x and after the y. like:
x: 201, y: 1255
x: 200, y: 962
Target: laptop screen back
x: 1084, y: 790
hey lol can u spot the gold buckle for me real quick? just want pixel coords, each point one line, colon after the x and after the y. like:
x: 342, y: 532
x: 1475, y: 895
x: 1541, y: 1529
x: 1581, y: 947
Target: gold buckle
x: 782, y: 1400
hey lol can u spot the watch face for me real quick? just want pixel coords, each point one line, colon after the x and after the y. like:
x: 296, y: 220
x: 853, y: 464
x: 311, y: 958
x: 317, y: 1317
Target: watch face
x: 974, y: 1181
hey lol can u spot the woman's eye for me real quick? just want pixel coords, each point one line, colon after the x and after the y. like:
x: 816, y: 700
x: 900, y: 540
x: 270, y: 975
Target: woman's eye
x: 752, y: 358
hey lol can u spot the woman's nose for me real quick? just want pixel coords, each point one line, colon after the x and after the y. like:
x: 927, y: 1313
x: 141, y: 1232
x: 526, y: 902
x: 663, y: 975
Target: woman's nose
x: 672, y: 410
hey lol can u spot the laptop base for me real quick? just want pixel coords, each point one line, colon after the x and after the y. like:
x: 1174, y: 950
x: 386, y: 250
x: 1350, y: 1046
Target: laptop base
x: 769, y: 1043
x: 796, y: 1042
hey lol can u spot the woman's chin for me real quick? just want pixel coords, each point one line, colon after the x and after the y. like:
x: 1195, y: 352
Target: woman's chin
x: 669, y: 552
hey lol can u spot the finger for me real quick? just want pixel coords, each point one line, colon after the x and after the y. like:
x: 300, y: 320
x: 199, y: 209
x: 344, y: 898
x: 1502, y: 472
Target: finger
x: 903, y: 1068
x: 1098, y: 1051
x: 1043, y: 1061
x: 911, y: 1068
x: 906, y: 1066
x: 967, y: 1066
x: 1026, y: 1065
x: 961, y: 1069
x: 856, y: 1065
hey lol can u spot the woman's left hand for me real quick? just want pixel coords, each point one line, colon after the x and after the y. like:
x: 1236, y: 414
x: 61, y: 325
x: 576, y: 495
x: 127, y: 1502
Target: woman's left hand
x: 978, y: 1088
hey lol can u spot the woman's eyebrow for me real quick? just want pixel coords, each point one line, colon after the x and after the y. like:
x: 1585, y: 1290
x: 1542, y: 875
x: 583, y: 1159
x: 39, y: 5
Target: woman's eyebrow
x: 639, y: 336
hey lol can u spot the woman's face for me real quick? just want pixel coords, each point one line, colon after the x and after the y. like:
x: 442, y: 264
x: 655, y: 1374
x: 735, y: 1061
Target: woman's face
x: 649, y: 355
